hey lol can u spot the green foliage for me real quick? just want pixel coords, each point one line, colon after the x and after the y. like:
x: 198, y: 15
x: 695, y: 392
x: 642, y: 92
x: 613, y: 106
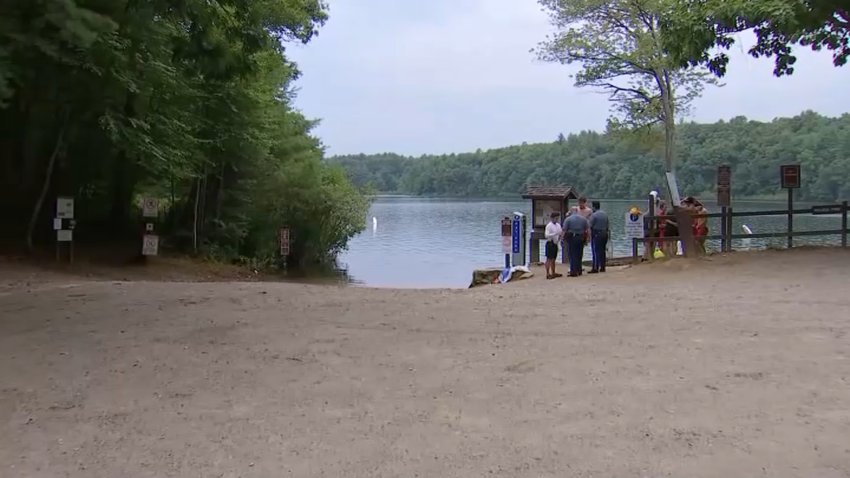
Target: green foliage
x: 618, y: 166
x: 698, y: 32
x: 618, y: 44
x: 188, y: 100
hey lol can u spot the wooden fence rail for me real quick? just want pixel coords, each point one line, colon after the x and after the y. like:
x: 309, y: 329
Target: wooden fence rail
x: 726, y: 236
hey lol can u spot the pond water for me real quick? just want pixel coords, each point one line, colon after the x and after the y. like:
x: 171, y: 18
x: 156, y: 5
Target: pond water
x: 436, y: 242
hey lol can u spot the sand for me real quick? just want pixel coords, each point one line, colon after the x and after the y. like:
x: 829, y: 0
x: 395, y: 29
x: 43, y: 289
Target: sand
x: 734, y: 366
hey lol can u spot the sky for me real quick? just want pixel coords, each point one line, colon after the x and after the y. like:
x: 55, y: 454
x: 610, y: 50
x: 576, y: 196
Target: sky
x: 443, y: 76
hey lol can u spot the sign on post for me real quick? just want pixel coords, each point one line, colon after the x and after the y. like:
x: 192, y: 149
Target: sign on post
x: 64, y: 224
x: 150, y: 245
x: 724, y: 186
x: 634, y: 225
x: 65, y: 208
x: 150, y: 207
x: 518, y: 231
x: 506, y: 235
x: 283, y: 236
x: 516, y: 236
x: 790, y: 176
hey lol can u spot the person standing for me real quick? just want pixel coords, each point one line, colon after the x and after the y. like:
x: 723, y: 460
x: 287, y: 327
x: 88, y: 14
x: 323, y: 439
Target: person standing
x: 670, y: 229
x: 582, y: 208
x: 600, y: 232
x: 700, y: 225
x: 575, y: 232
x: 553, y: 235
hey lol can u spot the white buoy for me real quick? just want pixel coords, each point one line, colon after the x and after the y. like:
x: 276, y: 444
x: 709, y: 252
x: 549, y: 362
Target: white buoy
x: 747, y: 229
x: 374, y: 224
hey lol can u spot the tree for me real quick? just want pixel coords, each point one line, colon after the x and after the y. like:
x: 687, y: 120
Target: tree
x: 619, y: 46
x: 186, y: 99
x: 694, y: 30
x: 617, y: 166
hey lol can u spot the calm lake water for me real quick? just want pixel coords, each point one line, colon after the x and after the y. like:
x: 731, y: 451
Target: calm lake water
x: 430, y: 242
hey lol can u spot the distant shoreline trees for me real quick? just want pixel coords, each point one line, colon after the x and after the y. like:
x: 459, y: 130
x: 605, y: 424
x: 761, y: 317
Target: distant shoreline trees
x: 611, y: 166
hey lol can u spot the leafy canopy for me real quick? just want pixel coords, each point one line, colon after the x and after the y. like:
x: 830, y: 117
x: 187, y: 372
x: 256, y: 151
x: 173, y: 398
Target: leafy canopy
x: 189, y: 100
x: 699, y: 32
x: 618, y: 45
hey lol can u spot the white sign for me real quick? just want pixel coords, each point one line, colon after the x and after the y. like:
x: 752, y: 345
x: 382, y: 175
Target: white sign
x: 64, y: 235
x: 283, y: 236
x: 634, y: 226
x: 149, y: 227
x: 150, y: 245
x: 57, y: 224
x: 674, y: 189
x: 150, y: 207
x: 65, y: 208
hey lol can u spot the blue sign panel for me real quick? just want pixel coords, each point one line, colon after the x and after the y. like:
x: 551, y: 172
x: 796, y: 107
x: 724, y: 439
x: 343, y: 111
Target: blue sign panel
x: 515, y: 235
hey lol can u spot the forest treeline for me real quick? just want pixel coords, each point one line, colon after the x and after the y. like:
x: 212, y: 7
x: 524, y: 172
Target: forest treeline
x: 189, y: 101
x: 629, y: 166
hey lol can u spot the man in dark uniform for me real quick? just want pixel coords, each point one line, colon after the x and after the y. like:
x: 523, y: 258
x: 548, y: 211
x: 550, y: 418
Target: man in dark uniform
x: 575, y: 231
x: 599, y: 234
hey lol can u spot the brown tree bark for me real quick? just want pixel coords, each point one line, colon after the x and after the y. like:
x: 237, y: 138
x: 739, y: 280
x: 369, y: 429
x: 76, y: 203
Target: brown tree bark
x: 45, y: 186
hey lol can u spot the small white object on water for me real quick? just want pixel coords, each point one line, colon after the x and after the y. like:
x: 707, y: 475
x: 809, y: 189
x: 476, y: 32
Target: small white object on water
x: 374, y: 223
x: 748, y: 243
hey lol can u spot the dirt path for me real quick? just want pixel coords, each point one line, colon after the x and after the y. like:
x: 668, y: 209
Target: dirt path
x: 735, y: 367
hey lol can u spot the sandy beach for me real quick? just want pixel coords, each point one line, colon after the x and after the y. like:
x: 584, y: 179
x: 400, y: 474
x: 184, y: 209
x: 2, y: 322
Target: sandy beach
x: 733, y: 366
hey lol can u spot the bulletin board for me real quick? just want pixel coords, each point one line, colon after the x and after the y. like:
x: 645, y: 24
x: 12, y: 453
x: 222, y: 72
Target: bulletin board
x: 543, y: 209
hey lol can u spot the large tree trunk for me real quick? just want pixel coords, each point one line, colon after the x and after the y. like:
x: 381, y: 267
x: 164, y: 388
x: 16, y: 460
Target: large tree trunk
x: 195, y: 215
x: 45, y: 186
x: 669, y: 112
x: 219, y: 200
x: 122, y: 176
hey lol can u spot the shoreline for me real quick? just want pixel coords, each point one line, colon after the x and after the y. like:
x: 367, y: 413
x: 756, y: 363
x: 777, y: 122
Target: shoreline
x: 186, y: 270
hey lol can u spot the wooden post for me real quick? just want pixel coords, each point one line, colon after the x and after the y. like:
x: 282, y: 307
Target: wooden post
x: 729, y: 229
x: 790, y: 218
x: 650, y: 225
x: 686, y: 231
x: 844, y: 224
x: 564, y: 210
x: 533, y: 249
x: 635, y: 252
x: 724, y: 230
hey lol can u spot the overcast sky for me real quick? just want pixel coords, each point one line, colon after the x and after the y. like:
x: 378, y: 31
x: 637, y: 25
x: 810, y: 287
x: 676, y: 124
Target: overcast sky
x: 441, y: 76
